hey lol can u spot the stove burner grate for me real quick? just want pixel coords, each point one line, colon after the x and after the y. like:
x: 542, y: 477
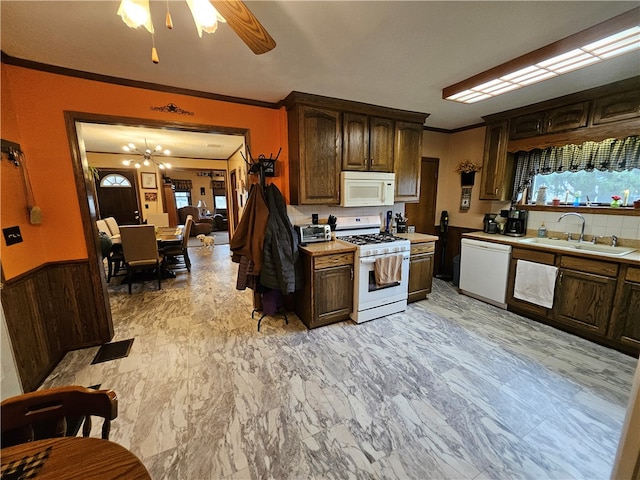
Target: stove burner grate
x: 371, y: 239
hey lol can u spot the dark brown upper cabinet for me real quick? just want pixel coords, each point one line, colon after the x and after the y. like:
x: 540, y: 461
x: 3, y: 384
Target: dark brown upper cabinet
x: 367, y: 143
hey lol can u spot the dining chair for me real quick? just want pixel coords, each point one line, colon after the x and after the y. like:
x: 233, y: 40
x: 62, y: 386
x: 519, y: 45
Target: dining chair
x: 56, y: 412
x: 175, y: 251
x: 140, y: 249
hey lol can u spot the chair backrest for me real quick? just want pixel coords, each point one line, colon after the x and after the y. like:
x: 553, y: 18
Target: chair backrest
x: 186, y: 231
x: 103, y: 227
x: 158, y: 219
x: 113, y: 225
x: 139, y: 243
x: 56, y: 412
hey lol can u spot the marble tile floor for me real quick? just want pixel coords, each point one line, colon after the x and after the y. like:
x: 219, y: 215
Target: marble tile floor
x: 450, y: 389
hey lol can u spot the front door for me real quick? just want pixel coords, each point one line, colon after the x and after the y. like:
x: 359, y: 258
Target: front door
x: 117, y: 196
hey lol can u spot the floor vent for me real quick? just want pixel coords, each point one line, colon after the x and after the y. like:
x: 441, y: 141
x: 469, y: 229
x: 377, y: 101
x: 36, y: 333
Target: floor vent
x: 111, y: 351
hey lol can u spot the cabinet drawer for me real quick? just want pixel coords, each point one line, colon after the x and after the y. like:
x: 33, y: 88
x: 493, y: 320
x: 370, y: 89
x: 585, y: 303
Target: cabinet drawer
x: 418, y: 248
x: 589, y: 266
x: 533, y: 256
x: 633, y: 275
x: 327, y: 261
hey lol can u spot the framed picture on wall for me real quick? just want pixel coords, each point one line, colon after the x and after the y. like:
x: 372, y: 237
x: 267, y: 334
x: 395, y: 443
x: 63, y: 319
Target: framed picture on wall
x: 150, y: 196
x: 148, y: 180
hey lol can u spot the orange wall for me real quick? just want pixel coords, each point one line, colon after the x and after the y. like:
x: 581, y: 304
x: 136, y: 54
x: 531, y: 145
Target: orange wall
x: 39, y: 100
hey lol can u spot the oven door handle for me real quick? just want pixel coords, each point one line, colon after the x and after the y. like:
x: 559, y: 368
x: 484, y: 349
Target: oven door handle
x: 373, y: 260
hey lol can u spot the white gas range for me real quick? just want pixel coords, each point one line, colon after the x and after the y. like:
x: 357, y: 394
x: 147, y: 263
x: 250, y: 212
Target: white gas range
x: 371, y: 300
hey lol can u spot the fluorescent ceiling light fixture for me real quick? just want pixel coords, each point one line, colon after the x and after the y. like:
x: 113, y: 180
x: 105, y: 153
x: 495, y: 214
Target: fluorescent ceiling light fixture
x: 616, y: 36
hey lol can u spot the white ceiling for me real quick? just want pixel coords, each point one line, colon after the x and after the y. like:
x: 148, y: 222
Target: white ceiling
x: 396, y: 54
x: 184, y: 144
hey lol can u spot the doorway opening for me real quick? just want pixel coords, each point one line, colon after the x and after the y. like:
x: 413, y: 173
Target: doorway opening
x: 78, y: 124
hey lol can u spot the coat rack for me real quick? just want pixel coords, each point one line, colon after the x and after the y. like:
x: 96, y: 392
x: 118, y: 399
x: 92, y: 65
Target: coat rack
x: 263, y: 166
x: 16, y: 156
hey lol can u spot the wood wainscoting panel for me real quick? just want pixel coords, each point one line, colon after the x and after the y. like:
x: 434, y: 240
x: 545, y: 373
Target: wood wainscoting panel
x: 50, y: 311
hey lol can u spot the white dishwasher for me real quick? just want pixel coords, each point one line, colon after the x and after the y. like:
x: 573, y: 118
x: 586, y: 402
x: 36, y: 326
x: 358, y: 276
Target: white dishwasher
x: 484, y: 270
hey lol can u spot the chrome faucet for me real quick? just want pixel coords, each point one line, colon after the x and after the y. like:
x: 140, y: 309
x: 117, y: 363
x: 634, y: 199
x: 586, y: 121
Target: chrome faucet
x: 614, y: 241
x: 581, y: 230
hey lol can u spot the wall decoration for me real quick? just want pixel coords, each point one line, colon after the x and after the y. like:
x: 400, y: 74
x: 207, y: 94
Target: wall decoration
x: 465, y: 200
x: 150, y: 196
x: 148, y: 180
x: 171, y: 108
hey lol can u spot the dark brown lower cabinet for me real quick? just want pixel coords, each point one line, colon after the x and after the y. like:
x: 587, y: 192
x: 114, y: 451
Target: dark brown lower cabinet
x: 327, y: 296
x: 420, y: 270
x: 584, y: 300
x: 597, y: 299
x: 625, y: 324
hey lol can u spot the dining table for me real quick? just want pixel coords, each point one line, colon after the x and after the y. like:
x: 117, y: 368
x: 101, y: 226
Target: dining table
x: 71, y: 458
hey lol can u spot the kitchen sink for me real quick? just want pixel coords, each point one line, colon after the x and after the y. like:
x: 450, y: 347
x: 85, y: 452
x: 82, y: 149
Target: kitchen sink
x: 605, y: 249
x: 551, y: 242
x: 582, y: 246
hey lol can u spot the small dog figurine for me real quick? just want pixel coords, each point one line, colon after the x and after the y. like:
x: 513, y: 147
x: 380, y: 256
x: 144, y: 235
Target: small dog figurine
x: 206, y: 241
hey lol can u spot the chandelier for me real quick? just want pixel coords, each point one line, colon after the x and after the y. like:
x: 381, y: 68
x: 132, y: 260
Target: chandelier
x: 136, y: 13
x: 147, y: 156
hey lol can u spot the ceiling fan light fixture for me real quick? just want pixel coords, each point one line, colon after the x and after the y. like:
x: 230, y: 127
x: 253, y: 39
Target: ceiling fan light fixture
x: 136, y: 13
x: 618, y: 35
x: 205, y: 16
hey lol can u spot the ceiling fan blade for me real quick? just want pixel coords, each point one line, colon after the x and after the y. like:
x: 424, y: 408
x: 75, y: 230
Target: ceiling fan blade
x: 245, y: 24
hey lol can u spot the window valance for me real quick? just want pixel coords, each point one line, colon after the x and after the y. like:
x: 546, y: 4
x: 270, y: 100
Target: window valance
x: 611, y: 154
x: 182, y: 185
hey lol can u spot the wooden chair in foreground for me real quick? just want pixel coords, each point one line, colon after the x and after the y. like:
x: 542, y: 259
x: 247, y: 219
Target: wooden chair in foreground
x: 56, y: 412
x: 140, y: 249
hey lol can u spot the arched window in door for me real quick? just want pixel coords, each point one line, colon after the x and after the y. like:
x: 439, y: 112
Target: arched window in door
x: 115, y: 180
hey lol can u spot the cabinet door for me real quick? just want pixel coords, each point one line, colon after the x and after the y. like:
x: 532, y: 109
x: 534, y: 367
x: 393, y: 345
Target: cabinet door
x: 355, y: 141
x: 381, y: 133
x: 496, y: 171
x: 568, y: 117
x: 408, y: 161
x: 616, y: 107
x: 527, y: 126
x: 320, y: 156
x: 420, y: 276
x: 584, y: 300
x: 333, y: 294
x: 626, y: 326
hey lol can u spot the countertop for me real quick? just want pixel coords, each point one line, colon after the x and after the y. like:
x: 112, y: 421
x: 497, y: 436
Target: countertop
x: 631, y: 258
x: 328, y: 248
x: 417, y: 237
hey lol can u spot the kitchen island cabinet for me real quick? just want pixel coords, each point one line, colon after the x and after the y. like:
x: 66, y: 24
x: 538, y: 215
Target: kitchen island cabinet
x: 327, y: 296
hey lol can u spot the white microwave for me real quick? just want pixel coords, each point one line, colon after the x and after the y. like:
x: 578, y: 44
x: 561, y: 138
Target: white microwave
x: 366, y: 189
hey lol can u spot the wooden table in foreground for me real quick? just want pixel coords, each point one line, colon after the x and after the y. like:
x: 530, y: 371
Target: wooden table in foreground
x: 74, y: 458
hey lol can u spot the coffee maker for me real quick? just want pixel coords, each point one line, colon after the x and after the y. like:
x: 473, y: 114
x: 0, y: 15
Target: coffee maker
x: 516, y: 222
x: 489, y: 223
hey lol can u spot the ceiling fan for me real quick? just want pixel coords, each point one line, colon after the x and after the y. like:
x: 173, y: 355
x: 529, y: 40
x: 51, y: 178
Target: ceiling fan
x: 206, y: 14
